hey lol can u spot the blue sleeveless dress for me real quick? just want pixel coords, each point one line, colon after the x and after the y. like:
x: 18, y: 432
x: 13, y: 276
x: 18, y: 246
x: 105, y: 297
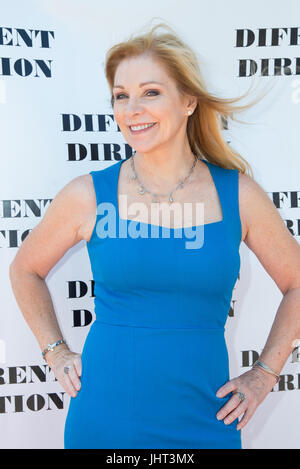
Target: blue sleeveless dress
x: 156, y: 353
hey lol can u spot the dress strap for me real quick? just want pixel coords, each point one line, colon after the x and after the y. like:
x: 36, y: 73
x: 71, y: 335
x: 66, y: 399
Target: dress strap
x: 227, y: 186
x: 104, y: 184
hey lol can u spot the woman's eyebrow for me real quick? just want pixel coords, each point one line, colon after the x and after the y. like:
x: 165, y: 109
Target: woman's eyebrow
x: 141, y: 84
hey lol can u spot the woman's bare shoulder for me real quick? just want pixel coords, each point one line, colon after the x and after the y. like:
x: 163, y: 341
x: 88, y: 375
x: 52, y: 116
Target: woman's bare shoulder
x: 268, y: 236
x: 80, y: 185
x: 78, y: 195
x: 82, y: 192
x: 63, y: 225
x: 255, y: 204
x: 248, y: 187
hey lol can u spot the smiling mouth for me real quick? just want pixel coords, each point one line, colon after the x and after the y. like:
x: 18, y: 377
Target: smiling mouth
x: 137, y: 129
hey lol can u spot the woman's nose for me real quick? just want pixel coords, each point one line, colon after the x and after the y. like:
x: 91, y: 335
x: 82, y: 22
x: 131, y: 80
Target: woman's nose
x: 133, y: 107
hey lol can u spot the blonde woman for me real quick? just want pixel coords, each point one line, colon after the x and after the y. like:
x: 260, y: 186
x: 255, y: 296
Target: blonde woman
x: 154, y: 368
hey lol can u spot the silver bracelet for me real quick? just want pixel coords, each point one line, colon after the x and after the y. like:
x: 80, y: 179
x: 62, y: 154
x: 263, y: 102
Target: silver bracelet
x: 265, y: 367
x: 51, y: 347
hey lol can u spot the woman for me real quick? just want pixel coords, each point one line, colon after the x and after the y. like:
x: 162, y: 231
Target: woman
x: 154, y: 369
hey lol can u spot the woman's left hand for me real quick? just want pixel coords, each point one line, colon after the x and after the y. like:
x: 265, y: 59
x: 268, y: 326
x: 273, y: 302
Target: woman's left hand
x: 255, y: 384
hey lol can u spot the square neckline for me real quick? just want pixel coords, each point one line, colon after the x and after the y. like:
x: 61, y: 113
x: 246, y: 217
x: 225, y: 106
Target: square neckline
x: 127, y: 220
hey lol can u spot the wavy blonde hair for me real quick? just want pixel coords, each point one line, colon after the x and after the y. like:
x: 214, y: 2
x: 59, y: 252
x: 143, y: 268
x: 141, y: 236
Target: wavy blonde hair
x: 205, y: 125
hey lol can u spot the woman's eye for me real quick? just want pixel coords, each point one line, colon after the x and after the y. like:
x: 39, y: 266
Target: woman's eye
x: 150, y: 91
x: 153, y: 91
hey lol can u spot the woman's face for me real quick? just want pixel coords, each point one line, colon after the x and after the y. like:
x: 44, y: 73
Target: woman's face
x: 159, y: 103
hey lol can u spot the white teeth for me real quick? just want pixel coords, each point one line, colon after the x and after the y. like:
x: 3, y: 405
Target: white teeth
x: 140, y: 127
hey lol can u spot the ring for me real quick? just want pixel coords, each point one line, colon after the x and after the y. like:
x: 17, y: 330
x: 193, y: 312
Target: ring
x: 241, y: 395
x: 67, y: 369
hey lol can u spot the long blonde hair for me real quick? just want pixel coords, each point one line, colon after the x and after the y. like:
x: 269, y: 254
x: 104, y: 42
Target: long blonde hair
x: 205, y: 125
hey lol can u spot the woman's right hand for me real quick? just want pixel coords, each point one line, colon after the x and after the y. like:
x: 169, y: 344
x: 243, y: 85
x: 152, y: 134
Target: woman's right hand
x: 60, y: 358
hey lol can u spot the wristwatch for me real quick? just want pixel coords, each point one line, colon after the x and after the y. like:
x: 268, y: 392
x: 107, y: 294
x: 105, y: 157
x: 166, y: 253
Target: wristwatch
x: 51, y: 347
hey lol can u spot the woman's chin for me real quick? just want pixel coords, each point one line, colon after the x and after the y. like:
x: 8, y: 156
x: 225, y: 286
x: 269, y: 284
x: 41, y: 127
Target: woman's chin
x: 142, y: 148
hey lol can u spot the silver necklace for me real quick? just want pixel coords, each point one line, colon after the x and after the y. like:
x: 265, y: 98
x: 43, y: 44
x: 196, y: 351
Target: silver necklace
x: 142, y: 188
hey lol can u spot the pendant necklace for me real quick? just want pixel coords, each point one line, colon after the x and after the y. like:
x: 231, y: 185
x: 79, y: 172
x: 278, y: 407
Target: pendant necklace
x: 142, y: 188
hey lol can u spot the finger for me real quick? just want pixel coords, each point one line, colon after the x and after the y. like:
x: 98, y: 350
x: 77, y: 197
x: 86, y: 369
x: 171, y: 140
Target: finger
x: 74, y: 378
x: 232, y: 404
x: 68, y: 385
x: 246, y: 417
x: 78, y: 365
x: 240, y: 409
x: 226, y: 388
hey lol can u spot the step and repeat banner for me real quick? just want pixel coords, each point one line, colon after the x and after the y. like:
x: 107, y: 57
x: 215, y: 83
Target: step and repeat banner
x: 57, y: 123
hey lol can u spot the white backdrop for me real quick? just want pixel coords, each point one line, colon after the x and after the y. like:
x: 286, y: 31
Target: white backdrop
x: 52, y: 64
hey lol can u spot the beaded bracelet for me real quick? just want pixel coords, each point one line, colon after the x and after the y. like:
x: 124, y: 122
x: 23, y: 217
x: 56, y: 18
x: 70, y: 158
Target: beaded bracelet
x: 50, y: 347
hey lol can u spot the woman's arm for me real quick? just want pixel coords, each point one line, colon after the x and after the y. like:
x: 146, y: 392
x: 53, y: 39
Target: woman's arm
x: 279, y: 253
x: 284, y: 335
x: 62, y: 226
x: 34, y: 300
